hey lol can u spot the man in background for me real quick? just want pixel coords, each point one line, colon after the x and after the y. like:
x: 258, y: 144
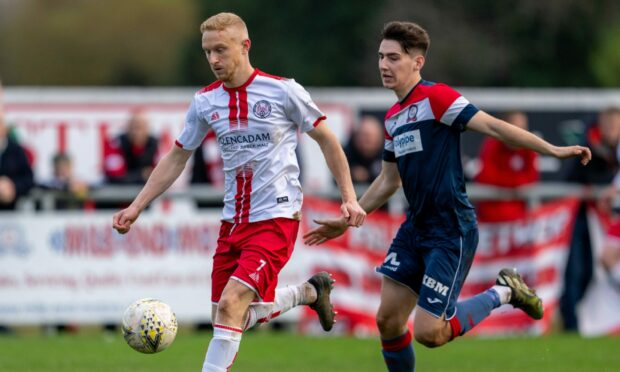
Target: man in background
x: 16, y: 177
x: 364, y: 150
x: 504, y: 165
x: 132, y: 155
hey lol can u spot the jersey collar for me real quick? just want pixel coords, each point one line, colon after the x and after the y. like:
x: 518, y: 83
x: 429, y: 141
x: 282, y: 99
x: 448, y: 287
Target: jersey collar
x: 402, y: 101
x: 248, y: 82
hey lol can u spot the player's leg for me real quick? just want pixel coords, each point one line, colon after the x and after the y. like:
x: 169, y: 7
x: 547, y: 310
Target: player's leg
x: 402, y: 269
x: 227, y: 328
x: 397, y: 302
x: 314, y: 293
x: 447, y: 260
x: 226, y: 337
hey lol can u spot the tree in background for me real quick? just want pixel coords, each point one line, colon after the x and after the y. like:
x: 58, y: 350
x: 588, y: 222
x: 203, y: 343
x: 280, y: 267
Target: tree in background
x: 89, y: 42
x: 521, y: 43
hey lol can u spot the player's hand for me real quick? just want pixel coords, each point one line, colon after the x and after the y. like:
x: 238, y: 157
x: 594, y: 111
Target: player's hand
x: 122, y: 220
x: 569, y: 151
x: 328, y: 229
x: 353, y: 213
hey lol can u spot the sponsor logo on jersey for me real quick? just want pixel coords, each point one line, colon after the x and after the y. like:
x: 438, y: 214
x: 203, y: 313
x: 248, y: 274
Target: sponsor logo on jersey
x: 412, y: 113
x: 435, y: 285
x: 262, y: 109
x: 245, y: 140
x: 215, y: 116
x: 407, y: 143
x: 282, y: 199
x: 433, y: 300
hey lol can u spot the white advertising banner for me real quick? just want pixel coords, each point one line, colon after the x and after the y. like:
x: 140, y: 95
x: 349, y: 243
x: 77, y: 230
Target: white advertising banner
x: 73, y: 268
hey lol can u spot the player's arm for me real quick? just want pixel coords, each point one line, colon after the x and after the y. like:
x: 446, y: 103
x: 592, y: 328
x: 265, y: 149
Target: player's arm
x: 512, y: 135
x: 339, y: 167
x: 378, y: 193
x: 165, y: 173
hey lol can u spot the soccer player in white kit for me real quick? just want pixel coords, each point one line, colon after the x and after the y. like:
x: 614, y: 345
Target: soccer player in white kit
x: 256, y: 117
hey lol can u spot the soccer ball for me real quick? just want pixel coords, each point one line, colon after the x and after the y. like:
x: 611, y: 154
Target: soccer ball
x: 149, y: 325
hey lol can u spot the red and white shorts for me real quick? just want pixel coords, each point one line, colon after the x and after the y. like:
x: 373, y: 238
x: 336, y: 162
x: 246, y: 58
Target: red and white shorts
x: 253, y: 254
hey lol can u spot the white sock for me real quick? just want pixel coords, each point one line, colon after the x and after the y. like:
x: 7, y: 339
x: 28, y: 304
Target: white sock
x: 505, y: 293
x: 286, y: 299
x: 222, y: 348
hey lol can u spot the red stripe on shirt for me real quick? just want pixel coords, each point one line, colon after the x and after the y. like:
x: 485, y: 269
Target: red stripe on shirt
x: 179, y: 144
x: 247, y: 192
x: 243, y: 107
x: 232, y: 109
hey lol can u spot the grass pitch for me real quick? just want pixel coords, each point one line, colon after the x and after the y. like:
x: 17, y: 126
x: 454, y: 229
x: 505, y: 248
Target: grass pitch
x: 266, y: 351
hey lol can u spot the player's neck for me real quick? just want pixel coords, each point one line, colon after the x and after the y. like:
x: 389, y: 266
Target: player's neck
x: 403, y: 91
x: 241, y: 77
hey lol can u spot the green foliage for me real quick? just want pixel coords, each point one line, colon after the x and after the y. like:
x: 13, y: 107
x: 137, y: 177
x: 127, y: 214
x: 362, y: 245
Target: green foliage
x: 525, y: 43
x: 606, y: 60
x: 88, y: 42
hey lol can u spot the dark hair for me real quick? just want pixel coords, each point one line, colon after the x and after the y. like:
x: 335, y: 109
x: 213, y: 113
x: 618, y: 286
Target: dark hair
x: 408, y: 34
x: 60, y: 157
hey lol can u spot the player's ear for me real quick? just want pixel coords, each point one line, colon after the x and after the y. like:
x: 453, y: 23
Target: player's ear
x: 245, y: 44
x: 418, y: 62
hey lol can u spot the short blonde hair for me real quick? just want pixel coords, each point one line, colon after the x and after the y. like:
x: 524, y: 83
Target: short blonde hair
x: 222, y: 21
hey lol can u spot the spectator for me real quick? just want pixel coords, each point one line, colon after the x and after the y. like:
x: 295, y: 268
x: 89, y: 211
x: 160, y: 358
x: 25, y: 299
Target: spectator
x: 130, y: 158
x: 207, y: 163
x: 506, y: 166
x: 16, y: 178
x: 364, y: 150
x: 63, y: 180
x: 610, y: 255
x: 602, y: 138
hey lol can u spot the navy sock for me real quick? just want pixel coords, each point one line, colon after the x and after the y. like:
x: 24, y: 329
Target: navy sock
x: 398, y: 353
x: 472, y: 311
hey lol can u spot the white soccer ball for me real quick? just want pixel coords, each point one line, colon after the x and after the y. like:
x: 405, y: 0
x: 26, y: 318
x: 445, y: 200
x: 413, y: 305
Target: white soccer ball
x: 149, y: 325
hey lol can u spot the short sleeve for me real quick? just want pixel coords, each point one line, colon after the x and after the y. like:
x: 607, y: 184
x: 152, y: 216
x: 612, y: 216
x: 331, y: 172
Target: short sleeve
x: 388, y: 148
x: 300, y: 108
x: 195, y: 129
x: 450, y: 107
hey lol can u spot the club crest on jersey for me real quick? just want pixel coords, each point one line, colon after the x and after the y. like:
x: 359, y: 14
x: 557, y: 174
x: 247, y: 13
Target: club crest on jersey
x: 262, y: 109
x: 412, y: 113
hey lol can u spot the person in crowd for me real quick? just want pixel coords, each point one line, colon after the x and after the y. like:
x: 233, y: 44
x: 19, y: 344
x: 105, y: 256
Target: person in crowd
x: 602, y: 137
x: 16, y: 176
x: 506, y: 166
x: 131, y: 157
x: 365, y: 149
x: 64, y: 180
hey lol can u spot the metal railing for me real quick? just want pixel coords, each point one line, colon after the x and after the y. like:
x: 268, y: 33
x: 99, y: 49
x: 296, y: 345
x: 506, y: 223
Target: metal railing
x: 46, y: 200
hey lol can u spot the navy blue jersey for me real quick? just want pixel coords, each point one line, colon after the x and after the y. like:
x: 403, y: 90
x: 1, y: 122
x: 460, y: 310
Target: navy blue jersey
x: 423, y: 137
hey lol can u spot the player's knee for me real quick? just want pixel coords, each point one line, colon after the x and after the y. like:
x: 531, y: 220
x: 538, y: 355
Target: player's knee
x: 228, y: 306
x: 429, y: 337
x: 388, y: 325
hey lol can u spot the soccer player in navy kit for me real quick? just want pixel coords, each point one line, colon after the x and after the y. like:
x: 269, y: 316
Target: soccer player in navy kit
x: 429, y: 258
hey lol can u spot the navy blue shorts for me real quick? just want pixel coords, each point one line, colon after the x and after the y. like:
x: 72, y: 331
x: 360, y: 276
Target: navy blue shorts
x: 433, y: 267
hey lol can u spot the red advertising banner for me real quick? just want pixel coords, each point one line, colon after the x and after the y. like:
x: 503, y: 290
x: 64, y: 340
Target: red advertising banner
x: 536, y: 245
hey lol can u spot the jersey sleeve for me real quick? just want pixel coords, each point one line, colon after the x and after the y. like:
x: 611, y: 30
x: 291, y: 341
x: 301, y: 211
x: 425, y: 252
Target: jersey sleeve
x: 300, y: 108
x: 450, y: 107
x: 195, y: 129
x: 388, y: 147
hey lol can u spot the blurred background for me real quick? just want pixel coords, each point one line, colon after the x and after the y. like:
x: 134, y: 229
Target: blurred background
x: 95, y: 93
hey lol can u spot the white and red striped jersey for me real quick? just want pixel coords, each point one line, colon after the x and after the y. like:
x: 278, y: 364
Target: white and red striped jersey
x: 256, y: 127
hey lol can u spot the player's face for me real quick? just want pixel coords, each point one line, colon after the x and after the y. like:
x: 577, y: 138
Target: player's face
x: 398, y: 69
x: 224, y: 50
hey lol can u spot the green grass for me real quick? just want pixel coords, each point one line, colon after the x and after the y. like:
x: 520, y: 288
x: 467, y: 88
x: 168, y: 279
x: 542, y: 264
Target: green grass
x: 265, y: 351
